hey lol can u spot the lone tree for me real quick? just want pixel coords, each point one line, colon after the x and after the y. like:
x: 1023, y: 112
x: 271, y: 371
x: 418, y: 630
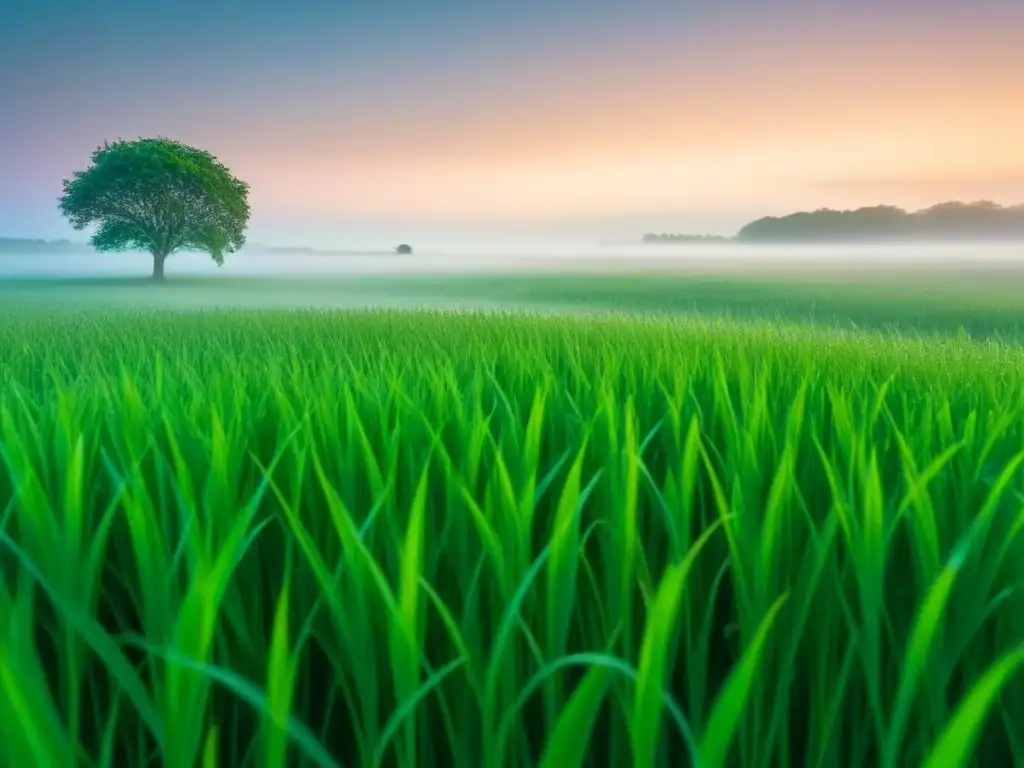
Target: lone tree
x: 160, y: 196
x: 403, y: 249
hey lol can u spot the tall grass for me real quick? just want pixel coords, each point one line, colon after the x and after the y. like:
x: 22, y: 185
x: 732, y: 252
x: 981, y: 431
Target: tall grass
x: 277, y: 539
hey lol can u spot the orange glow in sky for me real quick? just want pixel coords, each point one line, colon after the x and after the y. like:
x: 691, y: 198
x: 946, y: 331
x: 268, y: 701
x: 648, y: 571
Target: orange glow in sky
x: 780, y: 124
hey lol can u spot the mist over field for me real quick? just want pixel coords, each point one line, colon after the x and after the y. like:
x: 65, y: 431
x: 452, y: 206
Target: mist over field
x: 542, y: 256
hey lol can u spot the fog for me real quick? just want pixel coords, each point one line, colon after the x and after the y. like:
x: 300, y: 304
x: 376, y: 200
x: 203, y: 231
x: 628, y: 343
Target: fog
x: 540, y: 256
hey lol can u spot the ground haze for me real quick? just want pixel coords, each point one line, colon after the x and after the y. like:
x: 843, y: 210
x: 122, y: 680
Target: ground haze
x: 473, y: 256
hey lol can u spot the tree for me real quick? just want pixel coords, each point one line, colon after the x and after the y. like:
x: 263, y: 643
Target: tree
x: 403, y: 249
x: 159, y: 196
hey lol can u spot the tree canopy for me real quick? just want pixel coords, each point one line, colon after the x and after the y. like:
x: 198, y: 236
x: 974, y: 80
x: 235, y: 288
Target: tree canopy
x: 160, y: 196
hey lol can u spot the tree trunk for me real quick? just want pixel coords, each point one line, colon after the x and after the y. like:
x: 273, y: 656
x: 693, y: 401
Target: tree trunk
x: 158, y: 266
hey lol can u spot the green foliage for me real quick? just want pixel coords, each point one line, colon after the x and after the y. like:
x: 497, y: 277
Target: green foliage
x: 159, y: 196
x: 385, y: 538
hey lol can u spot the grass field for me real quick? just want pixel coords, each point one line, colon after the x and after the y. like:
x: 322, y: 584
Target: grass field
x: 244, y: 537
x: 981, y: 303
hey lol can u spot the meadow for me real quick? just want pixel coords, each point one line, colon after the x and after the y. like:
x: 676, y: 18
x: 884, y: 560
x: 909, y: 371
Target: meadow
x: 721, y: 528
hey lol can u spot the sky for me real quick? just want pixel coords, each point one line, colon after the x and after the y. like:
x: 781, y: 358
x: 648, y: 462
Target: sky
x: 369, y: 119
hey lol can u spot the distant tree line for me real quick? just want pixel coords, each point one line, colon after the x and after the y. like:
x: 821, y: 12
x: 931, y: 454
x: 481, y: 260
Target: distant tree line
x: 25, y: 245
x: 947, y: 220
x: 667, y: 238
x: 982, y: 220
